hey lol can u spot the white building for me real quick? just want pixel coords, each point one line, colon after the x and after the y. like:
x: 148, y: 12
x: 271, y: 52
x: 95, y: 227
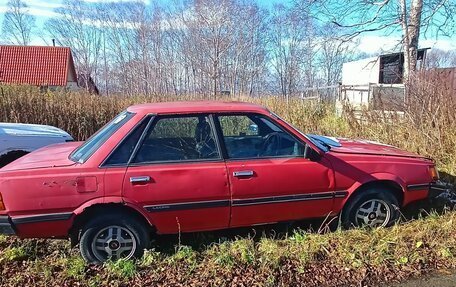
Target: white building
x: 369, y: 83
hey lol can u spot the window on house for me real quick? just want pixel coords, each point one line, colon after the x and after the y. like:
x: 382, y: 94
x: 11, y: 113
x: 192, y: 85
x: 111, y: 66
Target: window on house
x: 391, y: 68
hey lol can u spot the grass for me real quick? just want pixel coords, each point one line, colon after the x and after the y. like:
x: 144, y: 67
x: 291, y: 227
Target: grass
x: 123, y: 269
x: 294, y: 257
x: 74, y: 267
x: 298, y: 258
x: 14, y: 254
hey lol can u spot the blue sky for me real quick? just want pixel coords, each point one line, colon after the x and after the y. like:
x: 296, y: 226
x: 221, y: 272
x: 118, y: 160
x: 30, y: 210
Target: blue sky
x: 43, y: 9
x: 368, y: 43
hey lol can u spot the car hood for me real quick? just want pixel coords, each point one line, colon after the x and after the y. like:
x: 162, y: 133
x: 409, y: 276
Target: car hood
x: 344, y: 145
x: 14, y: 129
x: 50, y: 156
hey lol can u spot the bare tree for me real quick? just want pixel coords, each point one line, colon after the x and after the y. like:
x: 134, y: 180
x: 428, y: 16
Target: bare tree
x: 412, y: 18
x: 289, y: 46
x: 18, y: 23
x: 437, y: 58
x: 77, y: 27
x: 332, y: 53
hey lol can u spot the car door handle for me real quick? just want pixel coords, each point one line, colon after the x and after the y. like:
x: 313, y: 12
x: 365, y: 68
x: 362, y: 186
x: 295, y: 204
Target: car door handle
x: 139, y: 179
x: 243, y: 173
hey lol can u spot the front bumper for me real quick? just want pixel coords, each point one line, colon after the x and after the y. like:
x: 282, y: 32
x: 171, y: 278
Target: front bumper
x: 437, y: 188
x: 6, y: 227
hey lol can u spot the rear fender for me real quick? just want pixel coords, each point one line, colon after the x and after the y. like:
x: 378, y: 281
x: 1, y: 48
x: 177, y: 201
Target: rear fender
x: 111, y: 199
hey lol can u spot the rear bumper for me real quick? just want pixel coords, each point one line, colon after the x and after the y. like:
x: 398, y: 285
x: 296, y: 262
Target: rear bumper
x: 6, y: 226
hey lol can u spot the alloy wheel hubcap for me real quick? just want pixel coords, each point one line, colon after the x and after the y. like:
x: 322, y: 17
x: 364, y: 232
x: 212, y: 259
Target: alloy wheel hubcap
x: 114, y: 242
x: 373, y: 213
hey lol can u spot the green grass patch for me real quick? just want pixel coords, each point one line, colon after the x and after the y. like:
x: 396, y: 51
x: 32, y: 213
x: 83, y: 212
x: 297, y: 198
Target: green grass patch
x: 124, y: 269
x: 14, y: 254
x: 75, y: 267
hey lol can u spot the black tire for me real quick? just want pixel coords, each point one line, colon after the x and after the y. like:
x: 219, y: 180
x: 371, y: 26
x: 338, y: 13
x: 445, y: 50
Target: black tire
x: 356, y: 207
x: 132, y: 229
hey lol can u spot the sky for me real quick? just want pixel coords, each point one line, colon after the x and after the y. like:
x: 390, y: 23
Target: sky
x: 369, y: 43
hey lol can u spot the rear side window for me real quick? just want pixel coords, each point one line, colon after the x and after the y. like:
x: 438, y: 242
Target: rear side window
x: 82, y: 153
x: 178, y: 138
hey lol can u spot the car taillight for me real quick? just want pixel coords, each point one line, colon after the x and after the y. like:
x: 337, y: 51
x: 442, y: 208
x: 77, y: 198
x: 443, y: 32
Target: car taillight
x: 2, y: 206
x: 433, y: 173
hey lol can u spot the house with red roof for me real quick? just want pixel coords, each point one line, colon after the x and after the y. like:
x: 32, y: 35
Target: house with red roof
x: 44, y: 66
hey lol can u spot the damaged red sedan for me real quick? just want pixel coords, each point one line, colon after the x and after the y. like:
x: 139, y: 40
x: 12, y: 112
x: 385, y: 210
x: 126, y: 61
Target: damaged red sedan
x: 194, y: 166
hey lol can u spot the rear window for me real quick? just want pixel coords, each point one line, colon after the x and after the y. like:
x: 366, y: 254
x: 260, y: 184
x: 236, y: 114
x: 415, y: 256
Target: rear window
x: 82, y: 153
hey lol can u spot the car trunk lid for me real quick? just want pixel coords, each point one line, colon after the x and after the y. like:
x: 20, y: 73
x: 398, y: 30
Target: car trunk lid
x: 55, y: 155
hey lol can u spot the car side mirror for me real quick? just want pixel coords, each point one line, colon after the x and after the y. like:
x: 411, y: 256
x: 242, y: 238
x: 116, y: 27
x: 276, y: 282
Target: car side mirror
x: 311, y: 154
x: 253, y: 128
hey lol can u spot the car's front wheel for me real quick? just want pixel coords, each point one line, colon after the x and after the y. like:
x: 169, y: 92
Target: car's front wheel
x: 112, y: 237
x: 371, y: 208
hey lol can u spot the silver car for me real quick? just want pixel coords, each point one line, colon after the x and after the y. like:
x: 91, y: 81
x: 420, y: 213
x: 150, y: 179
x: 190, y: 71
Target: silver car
x: 17, y: 140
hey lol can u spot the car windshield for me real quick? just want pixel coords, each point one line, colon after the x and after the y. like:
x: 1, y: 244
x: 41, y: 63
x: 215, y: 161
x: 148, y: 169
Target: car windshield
x: 82, y: 153
x: 323, y: 143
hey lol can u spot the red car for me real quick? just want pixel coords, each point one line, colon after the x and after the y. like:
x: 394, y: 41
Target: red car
x: 193, y: 166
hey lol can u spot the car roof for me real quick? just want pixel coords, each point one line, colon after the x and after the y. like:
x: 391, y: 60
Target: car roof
x: 196, y: 107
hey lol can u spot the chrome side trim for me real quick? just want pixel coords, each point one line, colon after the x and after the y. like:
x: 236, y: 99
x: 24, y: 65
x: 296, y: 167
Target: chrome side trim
x: 284, y: 198
x: 246, y: 202
x: 187, y: 205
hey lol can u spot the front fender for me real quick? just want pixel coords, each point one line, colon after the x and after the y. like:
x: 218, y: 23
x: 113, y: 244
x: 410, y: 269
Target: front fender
x: 377, y: 177
x: 340, y: 203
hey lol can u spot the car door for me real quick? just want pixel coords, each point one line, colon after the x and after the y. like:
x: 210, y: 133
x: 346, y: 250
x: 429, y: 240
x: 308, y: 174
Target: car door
x: 178, y: 176
x: 269, y: 177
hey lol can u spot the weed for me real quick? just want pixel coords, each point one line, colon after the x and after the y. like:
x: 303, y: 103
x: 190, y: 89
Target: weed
x: 243, y: 251
x: 14, y: 254
x: 221, y: 255
x: 122, y: 268
x: 150, y: 258
x: 94, y: 281
x: 270, y: 252
x: 184, y: 254
x: 75, y: 267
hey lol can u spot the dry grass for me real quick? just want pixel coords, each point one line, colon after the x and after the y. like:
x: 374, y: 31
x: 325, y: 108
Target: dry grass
x: 342, y: 258
x: 359, y: 257
x: 426, y: 128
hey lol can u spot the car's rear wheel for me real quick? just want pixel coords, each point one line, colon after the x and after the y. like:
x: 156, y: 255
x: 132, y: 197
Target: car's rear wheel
x: 372, y: 208
x: 112, y: 237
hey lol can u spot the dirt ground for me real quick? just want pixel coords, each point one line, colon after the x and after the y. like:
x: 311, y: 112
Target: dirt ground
x: 436, y: 280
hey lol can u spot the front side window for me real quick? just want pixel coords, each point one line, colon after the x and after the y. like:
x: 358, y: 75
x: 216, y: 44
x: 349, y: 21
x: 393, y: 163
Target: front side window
x: 254, y: 136
x: 82, y: 153
x: 179, y: 138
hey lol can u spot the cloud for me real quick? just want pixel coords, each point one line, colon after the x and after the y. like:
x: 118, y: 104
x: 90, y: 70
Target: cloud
x: 37, y: 8
x: 376, y: 44
x: 44, y: 4
x: 110, y: 1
